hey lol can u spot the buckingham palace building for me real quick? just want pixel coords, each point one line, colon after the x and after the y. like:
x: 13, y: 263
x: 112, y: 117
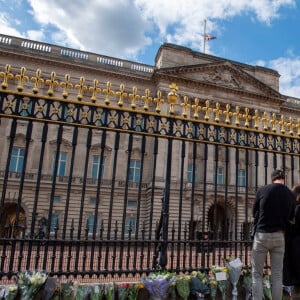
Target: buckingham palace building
x: 108, y: 164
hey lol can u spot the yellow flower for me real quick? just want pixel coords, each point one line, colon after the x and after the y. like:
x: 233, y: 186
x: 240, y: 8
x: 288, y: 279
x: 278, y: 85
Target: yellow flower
x: 225, y: 270
x: 139, y: 285
x: 12, y: 288
x: 213, y: 282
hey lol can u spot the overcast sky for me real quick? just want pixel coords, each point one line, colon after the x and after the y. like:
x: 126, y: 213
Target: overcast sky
x: 257, y: 32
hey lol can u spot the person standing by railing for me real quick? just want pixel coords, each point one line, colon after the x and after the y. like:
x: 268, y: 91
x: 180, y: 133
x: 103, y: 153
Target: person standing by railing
x: 272, y: 211
x: 291, y: 262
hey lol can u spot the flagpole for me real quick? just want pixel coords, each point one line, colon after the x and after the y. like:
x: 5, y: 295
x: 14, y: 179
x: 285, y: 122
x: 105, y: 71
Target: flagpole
x: 204, y: 34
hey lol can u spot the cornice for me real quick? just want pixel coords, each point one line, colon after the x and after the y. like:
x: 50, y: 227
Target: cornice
x: 108, y: 71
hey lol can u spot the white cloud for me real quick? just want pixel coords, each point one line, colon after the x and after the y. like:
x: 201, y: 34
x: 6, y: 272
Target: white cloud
x: 188, y: 15
x: 36, y: 35
x: 289, y: 70
x: 114, y: 28
x: 7, y: 27
x: 127, y: 23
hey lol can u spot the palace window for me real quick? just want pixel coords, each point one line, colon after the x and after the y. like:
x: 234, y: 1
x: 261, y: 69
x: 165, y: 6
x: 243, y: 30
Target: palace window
x: 54, y: 223
x: 96, y: 167
x: 91, y: 224
x: 132, y: 203
x: 241, y: 177
x: 219, y: 176
x: 135, y: 170
x: 130, y: 225
x: 62, y: 162
x: 17, y: 160
x: 190, y: 173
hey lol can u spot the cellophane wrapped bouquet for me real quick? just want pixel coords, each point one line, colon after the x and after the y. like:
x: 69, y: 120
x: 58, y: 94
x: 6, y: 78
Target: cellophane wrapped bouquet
x: 213, y: 288
x: 247, y: 282
x: 96, y: 292
x: 199, y: 285
x: 221, y: 276
x: 109, y: 291
x: 182, y: 284
x: 123, y: 290
x: 134, y: 290
x: 29, y: 283
x: 9, y: 292
x: 234, y: 268
x: 158, y: 283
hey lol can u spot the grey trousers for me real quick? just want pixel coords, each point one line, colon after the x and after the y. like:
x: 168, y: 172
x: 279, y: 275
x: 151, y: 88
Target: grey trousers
x: 264, y: 243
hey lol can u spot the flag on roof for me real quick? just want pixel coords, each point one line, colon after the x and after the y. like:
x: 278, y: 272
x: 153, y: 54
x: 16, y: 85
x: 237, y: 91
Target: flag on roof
x: 209, y: 37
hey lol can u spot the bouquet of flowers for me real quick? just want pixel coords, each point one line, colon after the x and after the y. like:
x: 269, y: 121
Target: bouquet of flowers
x: 158, y: 284
x: 82, y: 292
x: 134, y: 291
x: 172, y: 292
x: 9, y: 292
x: 213, y: 288
x: 199, y: 285
x: 67, y: 290
x: 183, y: 286
x: 267, y: 286
x: 123, y: 290
x: 247, y: 282
x: 235, y: 268
x: 109, y: 291
x: 96, y: 292
x: 30, y: 283
x: 220, y: 274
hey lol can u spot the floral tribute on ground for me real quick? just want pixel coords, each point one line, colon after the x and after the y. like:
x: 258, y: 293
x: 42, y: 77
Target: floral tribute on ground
x: 158, y: 284
x: 224, y: 281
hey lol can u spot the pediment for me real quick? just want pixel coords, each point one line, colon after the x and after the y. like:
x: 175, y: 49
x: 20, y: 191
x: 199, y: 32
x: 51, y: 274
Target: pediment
x: 97, y: 147
x: 224, y: 74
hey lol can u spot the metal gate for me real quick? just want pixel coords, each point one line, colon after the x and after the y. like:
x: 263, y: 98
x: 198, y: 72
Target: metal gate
x: 107, y: 183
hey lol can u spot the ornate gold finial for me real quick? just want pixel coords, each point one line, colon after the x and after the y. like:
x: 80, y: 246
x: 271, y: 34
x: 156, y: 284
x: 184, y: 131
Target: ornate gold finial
x: 108, y: 92
x: 37, y: 80
x: 256, y: 119
x: 147, y: 99
x: 66, y: 85
x: 94, y: 90
x: 6, y: 76
x: 227, y: 114
x: 265, y: 120
x: 207, y: 110
x: 217, y: 111
x: 247, y: 117
x: 237, y: 115
x: 52, y: 83
x: 290, y: 126
x: 158, y: 100
x: 81, y: 88
x: 196, y: 108
x: 122, y: 95
x: 185, y: 106
x: 273, y: 121
x: 172, y: 97
x: 134, y: 97
x: 282, y: 124
x: 21, y: 79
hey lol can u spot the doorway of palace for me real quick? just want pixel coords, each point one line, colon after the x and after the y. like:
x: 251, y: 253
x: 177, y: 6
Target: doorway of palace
x: 13, y: 222
x: 219, y: 221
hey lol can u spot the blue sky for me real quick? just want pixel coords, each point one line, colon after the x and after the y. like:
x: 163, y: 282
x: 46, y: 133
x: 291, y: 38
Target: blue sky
x: 256, y: 32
